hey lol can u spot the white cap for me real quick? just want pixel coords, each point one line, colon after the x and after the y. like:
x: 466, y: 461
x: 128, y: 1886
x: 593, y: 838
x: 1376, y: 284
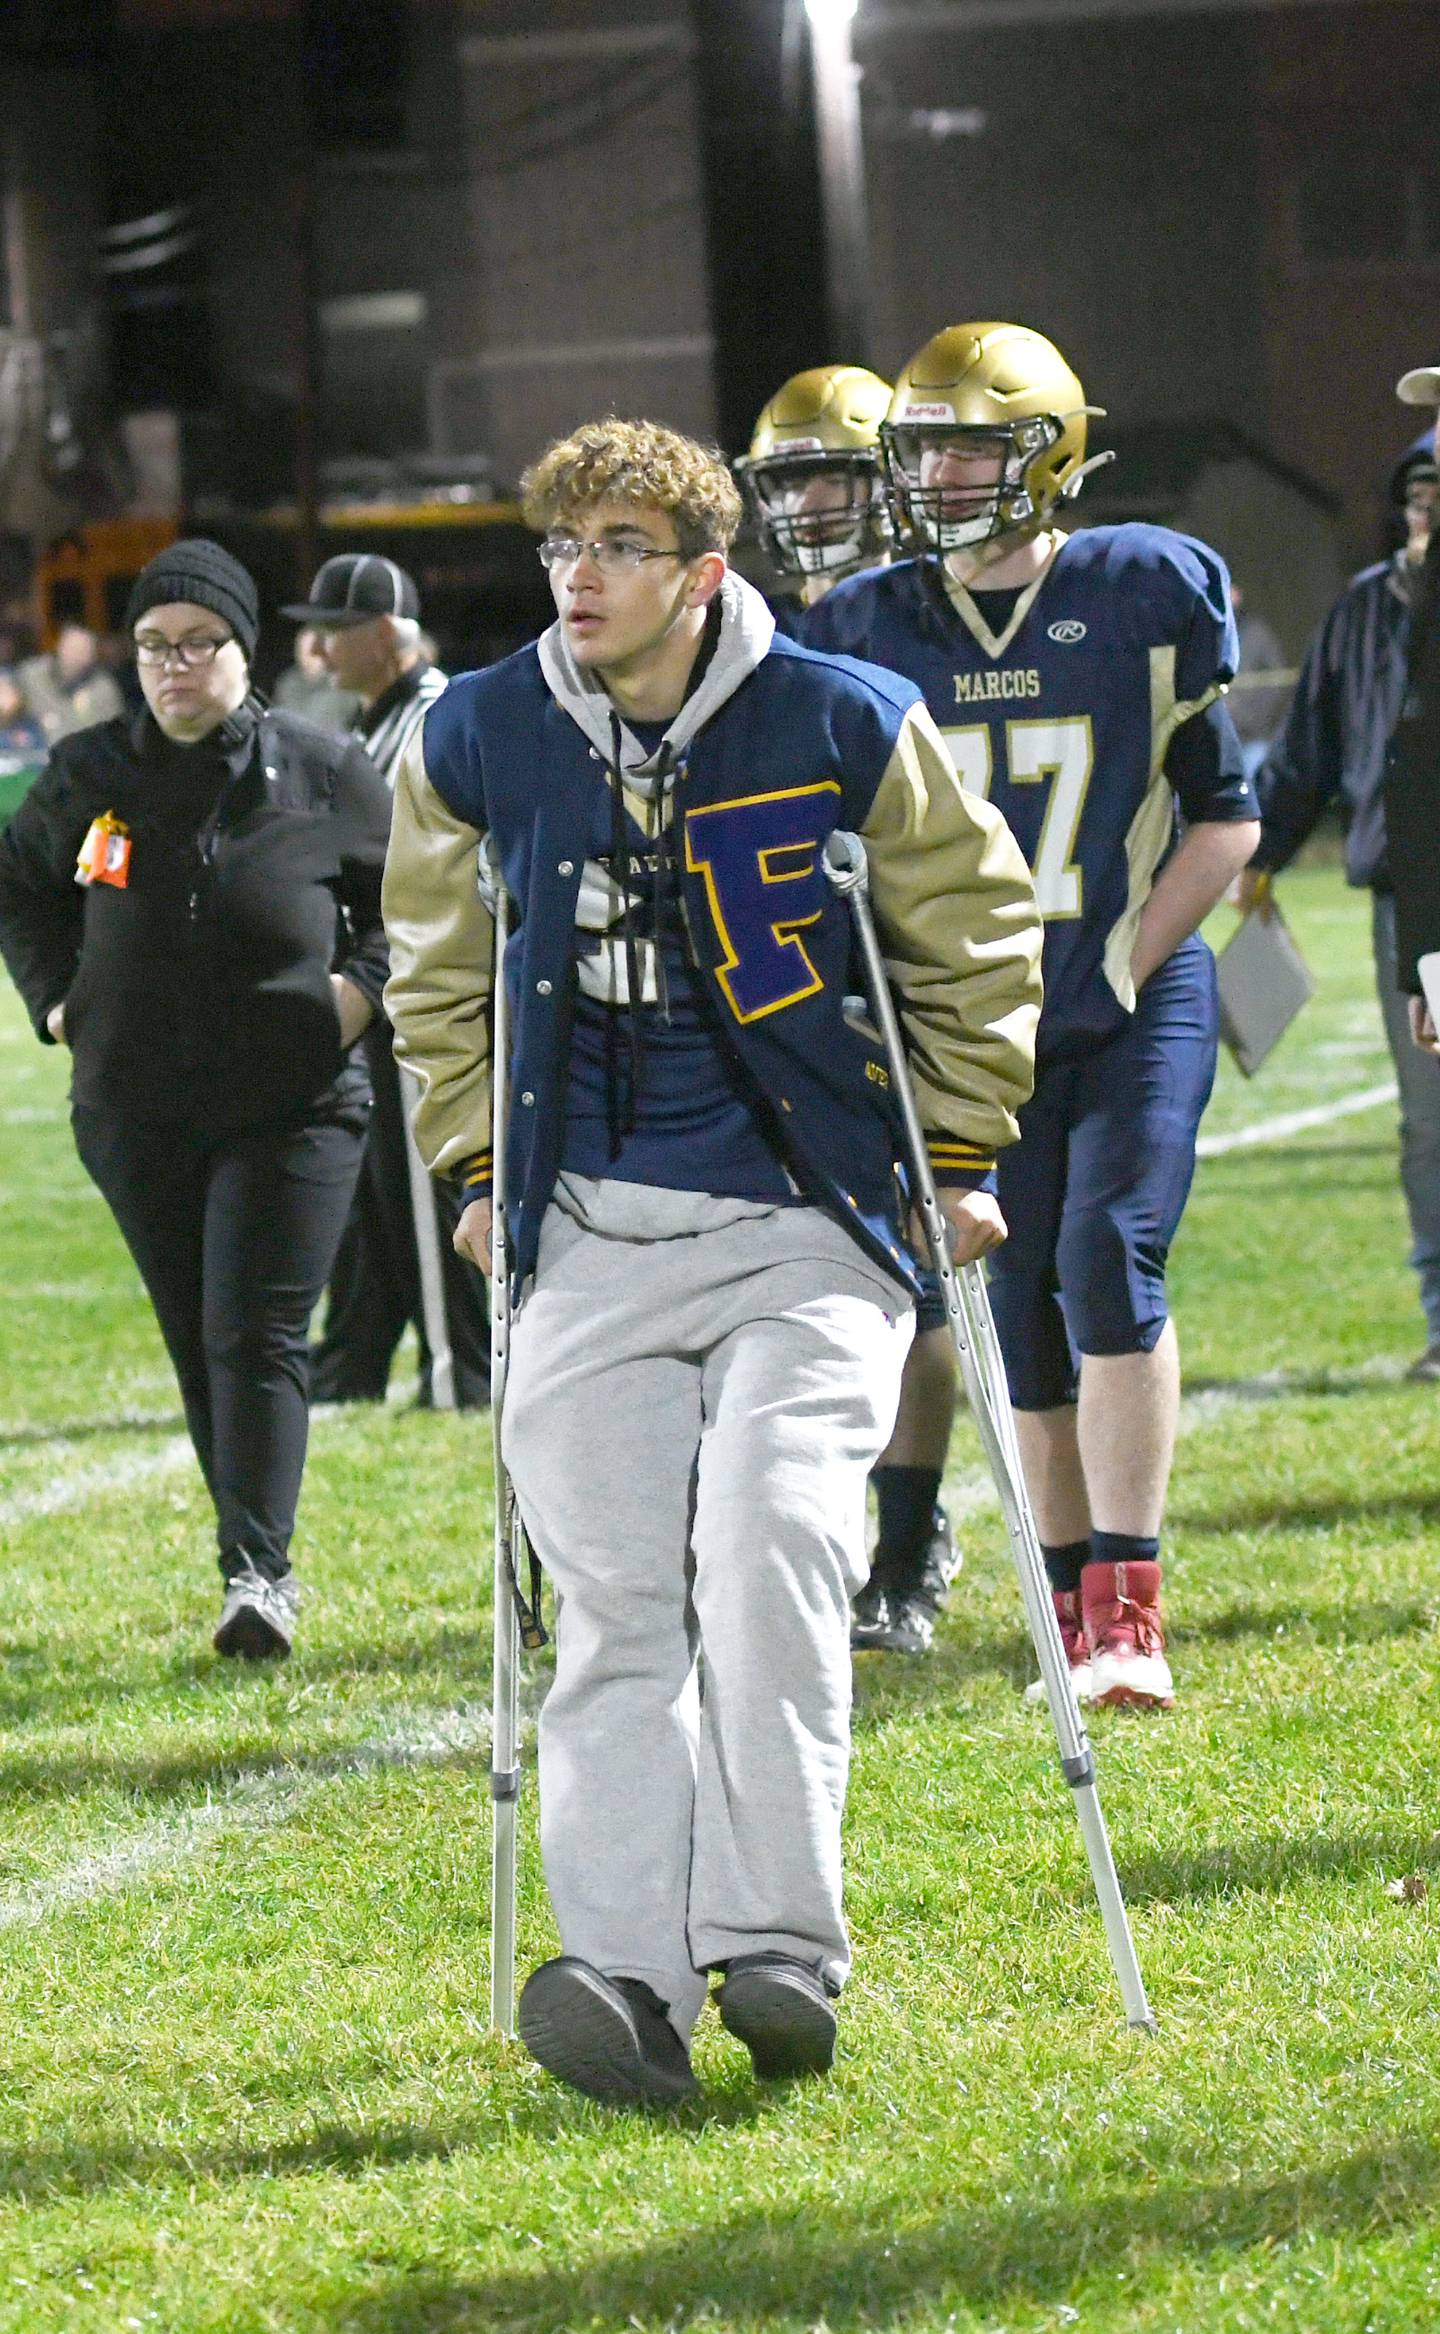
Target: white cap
x: 1421, y: 387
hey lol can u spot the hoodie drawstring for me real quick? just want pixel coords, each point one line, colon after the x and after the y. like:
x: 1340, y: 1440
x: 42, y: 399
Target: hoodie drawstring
x: 621, y: 865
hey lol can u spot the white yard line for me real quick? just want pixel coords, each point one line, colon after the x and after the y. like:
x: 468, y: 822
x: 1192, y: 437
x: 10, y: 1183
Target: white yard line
x: 1295, y: 1122
x: 120, y: 1474
x: 252, y: 1802
x: 971, y: 1492
x: 1382, y: 1369
x: 117, y: 1474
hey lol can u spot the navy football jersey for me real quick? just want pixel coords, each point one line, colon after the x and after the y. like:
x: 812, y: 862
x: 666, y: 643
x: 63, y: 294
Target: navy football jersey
x: 1064, y: 720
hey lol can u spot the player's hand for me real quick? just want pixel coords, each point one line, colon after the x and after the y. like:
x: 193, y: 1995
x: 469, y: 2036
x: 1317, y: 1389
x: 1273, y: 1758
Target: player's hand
x: 1255, y: 892
x: 974, y: 1223
x: 55, y: 1023
x: 1422, y: 1026
x: 472, y: 1234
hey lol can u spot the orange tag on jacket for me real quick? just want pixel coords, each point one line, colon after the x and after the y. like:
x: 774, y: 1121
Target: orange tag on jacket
x: 105, y: 853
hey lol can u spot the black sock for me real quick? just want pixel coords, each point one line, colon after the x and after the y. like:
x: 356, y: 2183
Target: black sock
x: 905, y: 1500
x: 1064, y: 1565
x: 1120, y: 1548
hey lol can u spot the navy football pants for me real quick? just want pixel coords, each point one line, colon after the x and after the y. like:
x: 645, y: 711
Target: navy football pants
x: 1095, y: 1188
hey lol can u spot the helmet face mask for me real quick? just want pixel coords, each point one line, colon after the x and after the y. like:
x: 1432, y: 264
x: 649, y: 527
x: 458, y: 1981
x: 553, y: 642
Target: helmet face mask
x: 820, y: 513
x: 955, y: 487
x: 813, y: 477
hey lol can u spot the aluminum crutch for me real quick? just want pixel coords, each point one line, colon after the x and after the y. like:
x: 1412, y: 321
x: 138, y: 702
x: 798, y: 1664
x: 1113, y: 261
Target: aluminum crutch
x: 972, y: 1325
x: 505, y: 1689
x: 427, y: 1253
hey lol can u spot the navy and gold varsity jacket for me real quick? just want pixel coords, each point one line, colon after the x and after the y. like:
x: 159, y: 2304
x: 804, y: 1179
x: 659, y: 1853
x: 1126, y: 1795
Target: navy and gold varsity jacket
x: 774, y: 748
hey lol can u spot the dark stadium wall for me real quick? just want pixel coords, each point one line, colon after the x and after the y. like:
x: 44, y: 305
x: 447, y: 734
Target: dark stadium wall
x: 765, y: 232
x: 521, y: 214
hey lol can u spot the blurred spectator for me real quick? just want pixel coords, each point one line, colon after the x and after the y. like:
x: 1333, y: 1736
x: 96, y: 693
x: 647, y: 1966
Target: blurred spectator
x: 1412, y: 777
x: 1257, y: 705
x: 70, y: 689
x: 23, y: 745
x: 307, y: 687
x: 1333, y: 750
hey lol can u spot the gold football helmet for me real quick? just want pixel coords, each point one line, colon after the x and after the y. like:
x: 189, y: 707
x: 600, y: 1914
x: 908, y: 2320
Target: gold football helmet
x: 813, y: 472
x: 1001, y: 402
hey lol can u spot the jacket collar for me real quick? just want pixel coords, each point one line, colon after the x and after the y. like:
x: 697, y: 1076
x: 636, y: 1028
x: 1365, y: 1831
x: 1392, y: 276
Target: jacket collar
x: 405, y: 685
x: 232, y: 739
x: 746, y: 630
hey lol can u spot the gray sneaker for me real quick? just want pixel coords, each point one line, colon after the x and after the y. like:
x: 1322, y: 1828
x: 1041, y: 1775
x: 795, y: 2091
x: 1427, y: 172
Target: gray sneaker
x: 257, y: 1619
x: 1427, y: 1369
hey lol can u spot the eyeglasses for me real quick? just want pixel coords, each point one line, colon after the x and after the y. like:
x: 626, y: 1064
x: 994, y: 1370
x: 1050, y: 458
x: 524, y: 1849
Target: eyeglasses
x: 611, y: 556
x: 196, y: 649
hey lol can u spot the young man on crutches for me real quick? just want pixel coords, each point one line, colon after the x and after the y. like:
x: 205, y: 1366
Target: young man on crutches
x: 713, y: 1288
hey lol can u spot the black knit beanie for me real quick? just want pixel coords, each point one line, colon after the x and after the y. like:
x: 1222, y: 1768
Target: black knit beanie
x: 199, y: 571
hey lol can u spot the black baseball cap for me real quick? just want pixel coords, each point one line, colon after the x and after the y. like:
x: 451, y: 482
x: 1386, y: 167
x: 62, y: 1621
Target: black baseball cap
x: 354, y: 588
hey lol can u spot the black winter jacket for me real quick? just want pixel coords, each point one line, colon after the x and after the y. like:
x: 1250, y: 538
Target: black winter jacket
x: 199, y: 993
x: 1412, y: 785
x: 1335, y: 736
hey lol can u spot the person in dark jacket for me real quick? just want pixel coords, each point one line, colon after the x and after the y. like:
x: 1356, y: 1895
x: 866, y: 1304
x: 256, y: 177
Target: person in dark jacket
x: 814, y: 484
x: 397, y: 1262
x: 190, y: 901
x: 1412, y: 777
x: 1333, y: 750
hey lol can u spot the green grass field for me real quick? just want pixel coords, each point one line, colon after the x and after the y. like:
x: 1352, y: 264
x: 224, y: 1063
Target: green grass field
x: 243, y: 1918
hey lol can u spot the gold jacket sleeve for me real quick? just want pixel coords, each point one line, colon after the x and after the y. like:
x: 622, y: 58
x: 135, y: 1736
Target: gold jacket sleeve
x: 442, y: 953
x: 956, y: 916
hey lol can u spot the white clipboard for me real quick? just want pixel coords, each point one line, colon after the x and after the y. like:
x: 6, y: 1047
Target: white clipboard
x: 1264, y: 983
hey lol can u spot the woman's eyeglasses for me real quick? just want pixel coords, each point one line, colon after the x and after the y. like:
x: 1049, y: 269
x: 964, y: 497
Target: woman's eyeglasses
x: 197, y: 648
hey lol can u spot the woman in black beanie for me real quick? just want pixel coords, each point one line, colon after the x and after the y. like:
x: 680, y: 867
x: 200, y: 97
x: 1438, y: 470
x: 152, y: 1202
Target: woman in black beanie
x: 190, y: 900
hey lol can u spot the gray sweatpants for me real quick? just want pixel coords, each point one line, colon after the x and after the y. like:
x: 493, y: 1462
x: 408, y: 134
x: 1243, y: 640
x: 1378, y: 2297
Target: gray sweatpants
x: 689, y: 1422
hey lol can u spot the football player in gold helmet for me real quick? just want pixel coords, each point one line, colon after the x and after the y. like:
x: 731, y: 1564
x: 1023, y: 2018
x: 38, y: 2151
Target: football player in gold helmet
x: 812, y: 476
x: 984, y: 438
x: 1078, y: 679
x: 814, y: 483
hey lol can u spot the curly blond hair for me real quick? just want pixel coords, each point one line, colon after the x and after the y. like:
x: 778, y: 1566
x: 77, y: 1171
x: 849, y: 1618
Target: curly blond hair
x: 640, y: 463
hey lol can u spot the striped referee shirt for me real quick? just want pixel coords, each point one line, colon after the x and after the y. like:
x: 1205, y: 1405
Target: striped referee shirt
x: 389, y: 725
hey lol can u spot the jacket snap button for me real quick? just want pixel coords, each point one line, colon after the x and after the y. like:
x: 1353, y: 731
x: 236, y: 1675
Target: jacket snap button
x: 542, y: 988
x: 567, y: 867
x: 528, y: 1099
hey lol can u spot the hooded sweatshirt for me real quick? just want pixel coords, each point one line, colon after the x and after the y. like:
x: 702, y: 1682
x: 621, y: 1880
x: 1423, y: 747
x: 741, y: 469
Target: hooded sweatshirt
x: 653, y: 1095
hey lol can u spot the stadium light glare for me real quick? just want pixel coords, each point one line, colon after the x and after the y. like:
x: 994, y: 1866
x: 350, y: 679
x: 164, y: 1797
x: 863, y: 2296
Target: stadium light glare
x: 842, y: 175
